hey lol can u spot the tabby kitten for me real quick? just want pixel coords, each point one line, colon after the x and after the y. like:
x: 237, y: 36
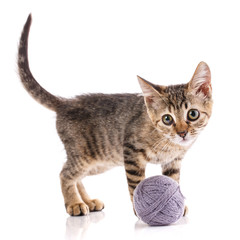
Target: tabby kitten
x: 100, y: 131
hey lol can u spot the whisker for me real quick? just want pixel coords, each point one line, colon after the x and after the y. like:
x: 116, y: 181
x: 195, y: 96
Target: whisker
x: 155, y: 146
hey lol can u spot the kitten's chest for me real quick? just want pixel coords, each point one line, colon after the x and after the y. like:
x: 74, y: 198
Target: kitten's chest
x: 165, y: 153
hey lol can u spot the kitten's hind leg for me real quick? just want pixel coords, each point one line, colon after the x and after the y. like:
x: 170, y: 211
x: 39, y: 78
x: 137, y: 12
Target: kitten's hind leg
x: 93, y: 204
x: 74, y: 204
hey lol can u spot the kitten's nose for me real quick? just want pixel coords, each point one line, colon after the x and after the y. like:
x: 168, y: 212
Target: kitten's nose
x: 182, y: 133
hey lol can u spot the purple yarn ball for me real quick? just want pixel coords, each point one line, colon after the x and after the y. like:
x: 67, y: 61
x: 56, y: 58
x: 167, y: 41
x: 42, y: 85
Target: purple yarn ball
x: 158, y: 201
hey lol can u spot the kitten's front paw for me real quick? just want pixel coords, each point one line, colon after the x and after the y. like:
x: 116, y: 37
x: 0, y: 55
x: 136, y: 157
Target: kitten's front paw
x: 185, y: 211
x: 95, y: 205
x: 77, y: 209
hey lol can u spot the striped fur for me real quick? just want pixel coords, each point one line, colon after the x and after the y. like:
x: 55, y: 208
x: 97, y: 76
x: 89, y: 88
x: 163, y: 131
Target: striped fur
x: 101, y: 131
x: 30, y: 84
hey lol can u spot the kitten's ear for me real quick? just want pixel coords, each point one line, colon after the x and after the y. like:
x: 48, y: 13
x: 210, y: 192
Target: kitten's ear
x: 150, y: 91
x: 201, y: 80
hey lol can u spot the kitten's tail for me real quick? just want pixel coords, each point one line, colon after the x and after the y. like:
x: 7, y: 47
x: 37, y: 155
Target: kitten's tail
x: 31, y: 85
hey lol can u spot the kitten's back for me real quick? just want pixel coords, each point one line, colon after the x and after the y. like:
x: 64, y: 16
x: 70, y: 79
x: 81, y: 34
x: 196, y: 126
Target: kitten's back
x: 97, y: 125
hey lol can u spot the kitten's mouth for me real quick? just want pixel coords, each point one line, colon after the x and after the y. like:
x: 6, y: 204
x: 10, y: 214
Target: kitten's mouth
x: 184, y: 141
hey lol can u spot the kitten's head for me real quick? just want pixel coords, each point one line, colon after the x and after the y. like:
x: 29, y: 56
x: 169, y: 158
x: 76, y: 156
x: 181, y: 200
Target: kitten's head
x: 180, y: 112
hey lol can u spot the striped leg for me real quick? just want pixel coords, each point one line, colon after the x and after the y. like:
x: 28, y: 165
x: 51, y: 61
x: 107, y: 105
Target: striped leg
x: 73, y: 201
x: 135, y: 164
x: 172, y: 170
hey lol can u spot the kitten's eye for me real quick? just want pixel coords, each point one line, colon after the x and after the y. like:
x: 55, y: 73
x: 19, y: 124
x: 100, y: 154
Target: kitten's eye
x: 193, y: 115
x: 167, y: 119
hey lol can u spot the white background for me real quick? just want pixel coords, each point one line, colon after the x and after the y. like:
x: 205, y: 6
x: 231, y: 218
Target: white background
x: 100, y: 46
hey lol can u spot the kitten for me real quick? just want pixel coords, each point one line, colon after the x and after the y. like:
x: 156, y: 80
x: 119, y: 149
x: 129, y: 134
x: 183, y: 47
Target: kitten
x: 100, y: 131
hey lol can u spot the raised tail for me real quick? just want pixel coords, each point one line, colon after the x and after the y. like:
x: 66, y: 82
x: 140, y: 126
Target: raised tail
x: 31, y: 85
